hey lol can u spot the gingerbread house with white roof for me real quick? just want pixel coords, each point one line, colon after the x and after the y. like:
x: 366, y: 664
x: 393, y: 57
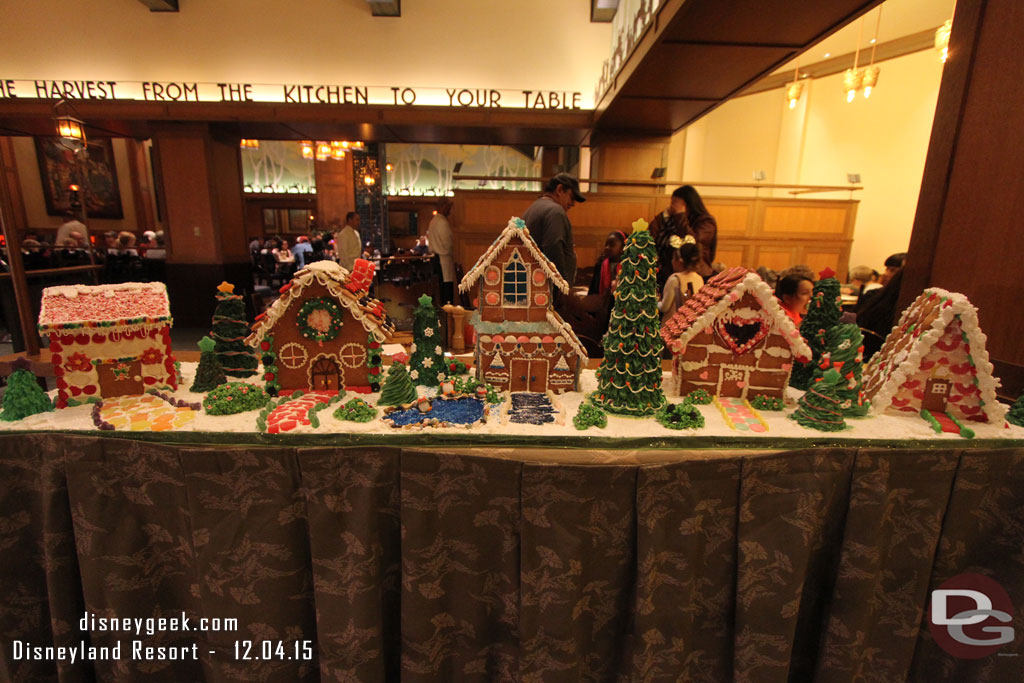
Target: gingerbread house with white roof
x: 522, y: 344
x: 733, y: 339
x: 324, y: 333
x: 935, y: 359
x: 108, y: 340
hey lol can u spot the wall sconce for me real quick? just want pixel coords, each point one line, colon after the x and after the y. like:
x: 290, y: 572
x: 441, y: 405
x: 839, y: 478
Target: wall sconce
x: 337, y: 153
x: 71, y: 131
x: 942, y: 39
x: 388, y: 167
x: 853, y: 178
x: 306, y: 147
x: 246, y: 143
x: 323, y: 151
x: 369, y: 180
x: 760, y: 176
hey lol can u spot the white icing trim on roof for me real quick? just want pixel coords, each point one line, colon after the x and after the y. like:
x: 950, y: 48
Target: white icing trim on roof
x: 752, y: 283
x: 570, y: 336
x: 515, y: 228
x: 74, y: 291
x: 911, y: 363
x: 333, y: 277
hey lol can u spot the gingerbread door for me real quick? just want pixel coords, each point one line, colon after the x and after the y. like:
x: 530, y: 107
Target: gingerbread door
x: 120, y: 378
x: 519, y: 375
x: 325, y: 375
x: 936, y: 391
x: 733, y: 381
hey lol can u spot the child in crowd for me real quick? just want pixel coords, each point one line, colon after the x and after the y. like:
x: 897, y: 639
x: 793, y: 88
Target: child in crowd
x: 607, y: 266
x: 794, y: 293
x: 684, y: 281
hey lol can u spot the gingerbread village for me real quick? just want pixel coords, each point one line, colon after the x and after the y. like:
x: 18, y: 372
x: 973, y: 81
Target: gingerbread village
x: 321, y: 360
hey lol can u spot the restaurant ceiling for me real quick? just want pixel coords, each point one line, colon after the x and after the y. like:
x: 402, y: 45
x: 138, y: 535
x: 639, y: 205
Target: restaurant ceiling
x: 696, y: 54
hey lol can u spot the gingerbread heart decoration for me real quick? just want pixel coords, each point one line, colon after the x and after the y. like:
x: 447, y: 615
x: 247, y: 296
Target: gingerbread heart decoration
x: 741, y: 332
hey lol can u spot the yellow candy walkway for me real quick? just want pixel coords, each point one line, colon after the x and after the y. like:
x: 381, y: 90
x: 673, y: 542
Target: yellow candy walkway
x: 144, y: 414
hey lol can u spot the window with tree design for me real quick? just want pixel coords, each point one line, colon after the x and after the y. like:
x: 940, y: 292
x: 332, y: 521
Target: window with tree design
x: 515, y: 286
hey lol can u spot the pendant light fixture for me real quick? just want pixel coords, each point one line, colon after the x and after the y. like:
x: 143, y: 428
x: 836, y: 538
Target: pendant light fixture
x: 852, y: 78
x: 870, y: 79
x: 794, y: 89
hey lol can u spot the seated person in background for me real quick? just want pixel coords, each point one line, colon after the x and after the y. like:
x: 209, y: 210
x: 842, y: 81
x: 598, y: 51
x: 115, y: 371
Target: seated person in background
x: 316, y: 250
x: 684, y: 281
x: 421, y: 248
x: 284, y: 257
x: 300, y: 251
x: 794, y: 293
x: 110, y: 242
x: 158, y: 250
x: 769, y: 276
x: 860, y: 281
x: 607, y: 266
x: 877, y: 313
x: 126, y: 244
x: 893, y: 265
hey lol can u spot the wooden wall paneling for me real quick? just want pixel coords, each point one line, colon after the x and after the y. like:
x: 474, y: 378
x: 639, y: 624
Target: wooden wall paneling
x: 189, y: 207
x: 138, y: 174
x: 966, y: 235
x: 818, y: 258
x: 18, y: 217
x: 733, y: 218
x: 335, y: 192
x: 732, y: 254
x: 813, y: 219
x: 776, y: 258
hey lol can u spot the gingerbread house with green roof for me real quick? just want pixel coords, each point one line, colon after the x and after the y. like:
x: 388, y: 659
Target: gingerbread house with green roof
x: 522, y: 344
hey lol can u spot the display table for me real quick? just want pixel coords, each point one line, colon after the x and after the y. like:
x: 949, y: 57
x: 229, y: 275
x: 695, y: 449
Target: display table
x: 502, y: 564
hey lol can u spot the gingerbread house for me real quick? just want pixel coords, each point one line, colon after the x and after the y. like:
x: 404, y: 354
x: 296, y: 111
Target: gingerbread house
x: 522, y: 344
x: 733, y: 339
x: 935, y: 359
x: 108, y: 340
x: 324, y: 332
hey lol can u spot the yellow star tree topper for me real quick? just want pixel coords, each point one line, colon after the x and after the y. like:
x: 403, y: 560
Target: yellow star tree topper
x: 639, y: 224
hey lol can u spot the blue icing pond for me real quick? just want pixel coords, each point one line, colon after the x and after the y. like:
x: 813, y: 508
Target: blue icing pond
x: 461, y: 411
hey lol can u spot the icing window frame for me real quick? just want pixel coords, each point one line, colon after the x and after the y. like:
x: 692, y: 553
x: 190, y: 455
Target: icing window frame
x: 515, y: 282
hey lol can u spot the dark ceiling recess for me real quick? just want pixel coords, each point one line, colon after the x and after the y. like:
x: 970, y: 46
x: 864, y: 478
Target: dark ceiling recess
x: 161, y: 5
x: 696, y: 54
x: 603, y: 11
x: 385, y: 8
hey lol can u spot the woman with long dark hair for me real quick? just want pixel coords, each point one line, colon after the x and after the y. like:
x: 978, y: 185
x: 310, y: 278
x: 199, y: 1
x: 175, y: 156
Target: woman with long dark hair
x: 877, y: 316
x: 702, y: 226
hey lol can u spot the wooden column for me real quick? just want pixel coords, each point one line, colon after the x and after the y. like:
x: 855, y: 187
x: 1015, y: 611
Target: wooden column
x: 201, y: 181
x: 967, y: 236
x: 9, y: 226
x: 335, y: 195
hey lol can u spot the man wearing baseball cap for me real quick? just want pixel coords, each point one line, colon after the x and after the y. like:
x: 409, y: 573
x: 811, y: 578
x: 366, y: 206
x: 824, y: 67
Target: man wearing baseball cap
x: 549, y: 223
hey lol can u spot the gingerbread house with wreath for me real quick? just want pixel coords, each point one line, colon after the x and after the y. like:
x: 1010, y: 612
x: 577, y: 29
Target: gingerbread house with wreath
x: 108, y: 340
x: 324, y: 333
x: 935, y: 359
x: 733, y: 339
x: 522, y: 344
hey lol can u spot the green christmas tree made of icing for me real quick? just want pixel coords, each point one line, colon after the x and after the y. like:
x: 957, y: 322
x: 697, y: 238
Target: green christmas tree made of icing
x: 1016, y: 414
x: 823, y: 313
x: 398, y: 387
x: 428, y: 354
x: 209, y: 374
x: 819, y: 406
x: 845, y: 353
x: 629, y: 377
x: 229, y: 331
x: 24, y: 396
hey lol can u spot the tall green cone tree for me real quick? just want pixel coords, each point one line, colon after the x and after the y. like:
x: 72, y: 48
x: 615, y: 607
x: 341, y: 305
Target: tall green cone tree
x: 230, y: 329
x: 428, y: 350
x: 24, y: 396
x: 819, y: 406
x: 844, y: 353
x: 209, y: 374
x: 398, y: 387
x: 629, y: 377
x: 822, y: 314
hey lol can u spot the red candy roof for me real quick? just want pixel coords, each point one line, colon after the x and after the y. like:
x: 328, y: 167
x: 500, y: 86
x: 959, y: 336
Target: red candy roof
x: 104, y: 303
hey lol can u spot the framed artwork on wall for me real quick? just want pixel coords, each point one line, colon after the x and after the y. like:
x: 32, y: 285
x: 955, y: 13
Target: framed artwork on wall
x: 58, y: 169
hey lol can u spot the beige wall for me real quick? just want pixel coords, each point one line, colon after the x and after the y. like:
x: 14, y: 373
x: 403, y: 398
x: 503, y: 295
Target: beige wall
x: 32, y: 189
x: 884, y: 139
x: 531, y: 44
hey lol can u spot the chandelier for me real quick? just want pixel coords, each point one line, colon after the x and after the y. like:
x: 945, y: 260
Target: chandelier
x: 324, y: 150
